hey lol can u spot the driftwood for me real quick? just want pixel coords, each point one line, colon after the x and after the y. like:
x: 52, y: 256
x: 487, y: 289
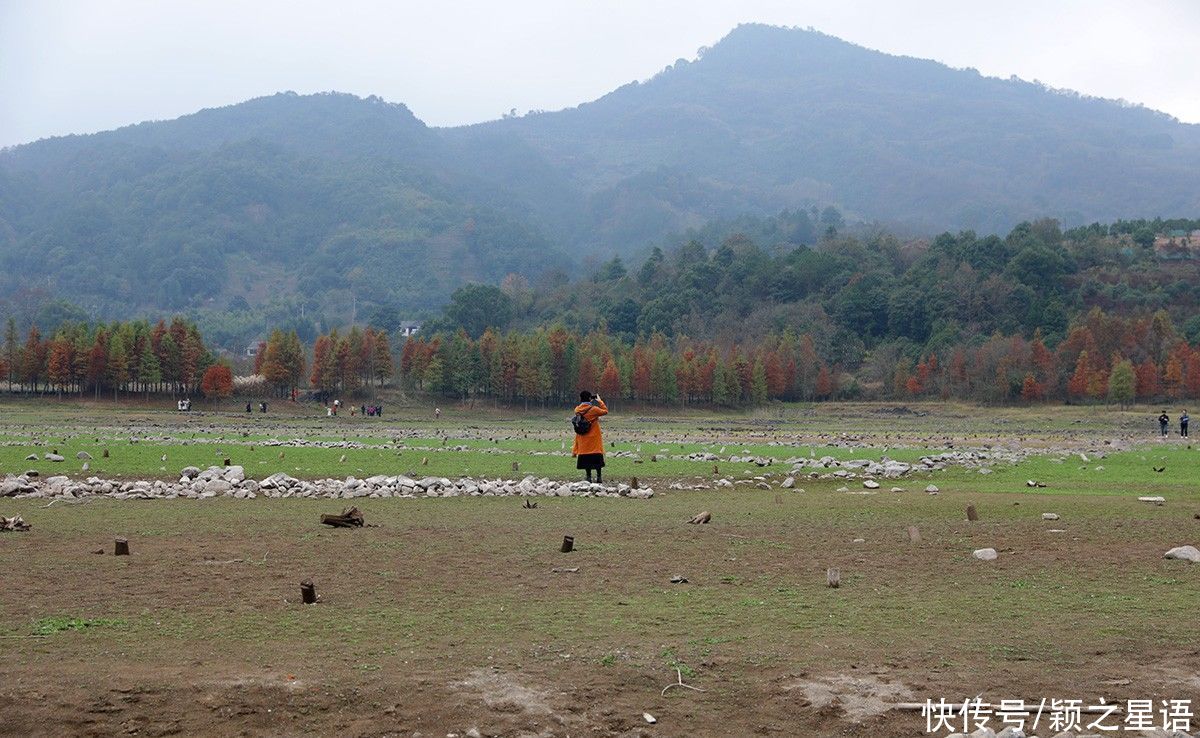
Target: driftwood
x: 701, y: 519
x: 350, y: 518
x: 14, y: 523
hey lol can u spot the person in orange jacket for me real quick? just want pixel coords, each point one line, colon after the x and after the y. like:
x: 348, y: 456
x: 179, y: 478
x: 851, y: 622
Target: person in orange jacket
x: 588, y: 448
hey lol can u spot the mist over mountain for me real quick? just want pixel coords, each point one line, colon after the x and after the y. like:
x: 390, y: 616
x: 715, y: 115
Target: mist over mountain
x: 330, y: 206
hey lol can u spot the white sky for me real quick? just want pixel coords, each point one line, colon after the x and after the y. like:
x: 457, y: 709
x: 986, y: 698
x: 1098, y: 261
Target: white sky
x: 81, y: 66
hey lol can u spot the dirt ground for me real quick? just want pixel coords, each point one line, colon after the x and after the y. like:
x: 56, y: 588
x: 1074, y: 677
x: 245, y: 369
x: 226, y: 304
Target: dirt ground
x: 449, y: 616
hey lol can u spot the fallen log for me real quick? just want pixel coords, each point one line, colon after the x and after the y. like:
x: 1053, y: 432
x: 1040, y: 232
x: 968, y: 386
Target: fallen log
x: 15, y: 524
x: 350, y: 518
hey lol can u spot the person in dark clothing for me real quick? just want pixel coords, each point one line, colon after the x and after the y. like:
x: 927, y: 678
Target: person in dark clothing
x: 1163, y: 421
x: 263, y: 407
x: 1183, y: 424
x: 588, y: 448
x: 247, y: 407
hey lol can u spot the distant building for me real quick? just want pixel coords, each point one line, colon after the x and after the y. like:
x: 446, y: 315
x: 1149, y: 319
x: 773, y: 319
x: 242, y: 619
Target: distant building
x: 409, y: 328
x: 252, y: 349
x: 1178, y: 244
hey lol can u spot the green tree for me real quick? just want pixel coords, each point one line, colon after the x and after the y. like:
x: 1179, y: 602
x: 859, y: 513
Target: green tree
x: 477, y: 307
x: 1122, y: 383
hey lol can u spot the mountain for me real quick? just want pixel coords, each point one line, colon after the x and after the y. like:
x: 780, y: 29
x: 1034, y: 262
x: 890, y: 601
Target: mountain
x: 773, y: 118
x: 332, y: 197
x: 331, y: 206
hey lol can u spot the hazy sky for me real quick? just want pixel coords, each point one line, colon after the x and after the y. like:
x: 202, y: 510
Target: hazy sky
x: 81, y: 66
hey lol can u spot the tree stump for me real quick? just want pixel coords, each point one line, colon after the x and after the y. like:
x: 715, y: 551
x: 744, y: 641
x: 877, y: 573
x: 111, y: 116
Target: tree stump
x: 833, y: 578
x: 308, y: 592
x: 350, y: 518
x: 121, y: 547
x: 568, y: 544
x: 971, y: 514
x: 914, y: 535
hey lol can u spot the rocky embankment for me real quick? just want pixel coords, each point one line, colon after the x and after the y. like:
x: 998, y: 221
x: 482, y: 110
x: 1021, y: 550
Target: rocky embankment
x: 231, y: 481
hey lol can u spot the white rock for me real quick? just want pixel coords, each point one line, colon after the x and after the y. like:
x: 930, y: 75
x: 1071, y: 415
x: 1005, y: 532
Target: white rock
x: 788, y: 483
x: 1184, y: 553
x: 932, y: 489
x: 1049, y: 516
x: 871, y: 484
x: 986, y: 554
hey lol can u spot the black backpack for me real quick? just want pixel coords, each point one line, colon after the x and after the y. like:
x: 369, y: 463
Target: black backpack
x: 581, y: 424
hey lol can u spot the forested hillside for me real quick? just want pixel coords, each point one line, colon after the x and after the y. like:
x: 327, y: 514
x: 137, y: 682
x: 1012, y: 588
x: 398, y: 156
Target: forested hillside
x: 323, y: 210
x: 326, y: 201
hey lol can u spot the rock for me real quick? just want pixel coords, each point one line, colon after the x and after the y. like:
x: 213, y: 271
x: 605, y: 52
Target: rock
x: 234, y: 474
x: 788, y: 483
x: 649, y: 718
x: 1152, y: 499
x: 55, y: 457
x: 871, y: 484
x: 83, y: 455
x: 932, y: 489
x: 1184, y: 553
x: 31, y: 457
x: 473, y: 733
x: 1049, y: 516
x: 1011, y: 732
x: 216, y: 487
x: 190, y: 472
x: 986, y: 554
x: 983, y: 733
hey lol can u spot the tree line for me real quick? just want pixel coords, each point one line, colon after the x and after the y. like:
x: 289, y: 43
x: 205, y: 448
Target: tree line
x: 131, y: 356
x: 1103, y: 358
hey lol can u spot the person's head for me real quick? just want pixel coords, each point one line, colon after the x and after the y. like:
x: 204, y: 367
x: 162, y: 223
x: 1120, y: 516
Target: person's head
x: 585, y: 396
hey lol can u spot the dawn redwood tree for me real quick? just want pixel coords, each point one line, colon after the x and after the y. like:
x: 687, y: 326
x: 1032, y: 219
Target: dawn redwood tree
x: 217, y: 382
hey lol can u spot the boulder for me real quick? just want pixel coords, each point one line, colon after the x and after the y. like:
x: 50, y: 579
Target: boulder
x: 932, y: 489
x: 871, y: 484
x: 986, y: 554
x: 31, y: 457
x: 55, y: 457
x: 216, y: 487
x: 1049, y: 516
x: 83, y: 456
x: 234, y: 474
x: 788, y: 483
x: 190, y: 472
x: 1184, y: 553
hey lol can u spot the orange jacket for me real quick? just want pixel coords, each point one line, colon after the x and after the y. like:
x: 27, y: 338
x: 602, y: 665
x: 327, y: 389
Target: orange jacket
x: 590, y: 442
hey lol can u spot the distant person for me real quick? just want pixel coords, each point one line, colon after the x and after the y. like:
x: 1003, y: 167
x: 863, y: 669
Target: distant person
x: 588, y: 448
x: 363, y: 409
x: 437, y: 413
x: 248, y: 407
x: 1163, y: 421
x: 263, y: 407
x: 1183, y: 424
